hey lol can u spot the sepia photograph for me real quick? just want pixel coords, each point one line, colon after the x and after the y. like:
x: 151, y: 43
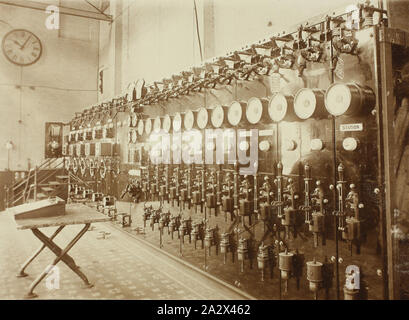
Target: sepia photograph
x: 203, y: 154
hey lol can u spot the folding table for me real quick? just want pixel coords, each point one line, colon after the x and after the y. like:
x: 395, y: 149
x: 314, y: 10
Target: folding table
x: 74, y: 214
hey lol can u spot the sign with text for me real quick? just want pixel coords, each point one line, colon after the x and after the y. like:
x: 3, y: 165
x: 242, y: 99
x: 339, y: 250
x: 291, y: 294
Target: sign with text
x: 351, y: 127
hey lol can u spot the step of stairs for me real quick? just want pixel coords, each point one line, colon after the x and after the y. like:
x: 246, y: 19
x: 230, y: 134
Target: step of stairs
x: 47, y: 189
x: 62, y: 177
x: 41, y: 196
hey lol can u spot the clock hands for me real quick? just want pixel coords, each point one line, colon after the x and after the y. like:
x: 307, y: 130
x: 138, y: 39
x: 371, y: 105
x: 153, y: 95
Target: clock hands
x: 21, y: 47
x: 17, y: 43
x: 24, y: 44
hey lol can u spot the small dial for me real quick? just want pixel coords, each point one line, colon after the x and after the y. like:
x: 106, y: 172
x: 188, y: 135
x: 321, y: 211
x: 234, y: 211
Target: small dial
x: 22, y: 47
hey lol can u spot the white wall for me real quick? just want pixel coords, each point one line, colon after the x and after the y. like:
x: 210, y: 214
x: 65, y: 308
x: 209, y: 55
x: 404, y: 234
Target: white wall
x: 152, y: 39
x: 63, y: 81
x: 149, y: 39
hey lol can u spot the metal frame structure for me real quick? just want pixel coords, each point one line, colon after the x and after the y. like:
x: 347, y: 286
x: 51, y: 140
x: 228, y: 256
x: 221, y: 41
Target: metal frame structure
x: 63, y: 10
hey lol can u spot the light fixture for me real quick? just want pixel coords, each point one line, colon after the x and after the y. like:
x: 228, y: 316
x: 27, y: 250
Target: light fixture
x: 309, y: 103
x: 348, y: 99
x: 9, y: 145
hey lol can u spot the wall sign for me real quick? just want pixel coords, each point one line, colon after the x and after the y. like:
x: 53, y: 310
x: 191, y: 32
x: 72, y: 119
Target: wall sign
x: 351, y: 127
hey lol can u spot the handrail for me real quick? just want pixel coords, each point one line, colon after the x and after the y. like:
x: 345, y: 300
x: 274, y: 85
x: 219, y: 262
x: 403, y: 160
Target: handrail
x: 47, y: 162
x: 27, y: 181
x: 36, y: 173
x: 79, y: 179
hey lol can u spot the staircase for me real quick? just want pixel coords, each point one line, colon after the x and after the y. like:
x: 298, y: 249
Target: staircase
x: 49, y: 179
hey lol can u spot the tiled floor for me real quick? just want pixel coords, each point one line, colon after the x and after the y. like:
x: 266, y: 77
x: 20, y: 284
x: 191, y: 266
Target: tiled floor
x: 119, y: 266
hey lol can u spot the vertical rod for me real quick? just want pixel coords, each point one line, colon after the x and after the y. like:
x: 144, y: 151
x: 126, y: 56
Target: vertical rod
x: 35, y: 183
x: 334, y: 181
x: 388, y: 137
x: 381, y: 173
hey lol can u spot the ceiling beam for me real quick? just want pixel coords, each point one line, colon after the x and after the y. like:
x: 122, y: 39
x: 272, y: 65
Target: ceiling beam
x: 63, y: 10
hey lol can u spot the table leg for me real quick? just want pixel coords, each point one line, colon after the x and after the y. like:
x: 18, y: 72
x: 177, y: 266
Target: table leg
x: 61, y: 255
x: 21, y: 273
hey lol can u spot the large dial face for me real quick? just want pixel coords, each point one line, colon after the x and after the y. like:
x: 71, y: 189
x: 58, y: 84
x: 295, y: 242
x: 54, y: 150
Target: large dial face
x: 21, y: 47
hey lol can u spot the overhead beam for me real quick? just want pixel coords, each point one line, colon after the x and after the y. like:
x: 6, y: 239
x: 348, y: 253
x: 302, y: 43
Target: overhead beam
x: 63, y: 10
x: 96, y: 8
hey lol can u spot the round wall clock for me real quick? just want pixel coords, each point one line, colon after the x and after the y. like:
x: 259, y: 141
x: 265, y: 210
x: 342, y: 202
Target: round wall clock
x: 21, y: 47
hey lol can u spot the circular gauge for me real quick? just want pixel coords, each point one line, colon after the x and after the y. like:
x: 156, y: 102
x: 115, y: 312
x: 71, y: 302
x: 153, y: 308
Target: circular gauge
x: 202, y: 118
x: 254, y: 110
x: 316, y: 145
x: 92, y: 168
x: 277, y: 108
x: 350, y: 144
x: 235, y: 113
x: 290, y: 145
x: 129, y: 120
x: 348, y: 99
x: 67, y: 164
x: 102, y: 169
x: 140, y: 127
x: 244, y: 145
x: 134, y: 136
x: 210, y: 146
x: 148, y: 126
x: 134, y: 120
x: 264, y: 145
x: 167, y: 123
x: 177, y: 122
x: 75, y: 165
x: 189, y: 120
x: 338, y: 99
x: 307, y: 102
x: 83, y: 166
x: 157, y: 124
x: 217, y: 117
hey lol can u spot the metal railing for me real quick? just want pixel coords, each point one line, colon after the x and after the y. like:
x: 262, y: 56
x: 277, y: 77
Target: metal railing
x: 35, y: 178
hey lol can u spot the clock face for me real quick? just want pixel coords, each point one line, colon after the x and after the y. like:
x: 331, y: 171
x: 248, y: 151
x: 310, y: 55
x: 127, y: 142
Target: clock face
x: 21, y: 47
